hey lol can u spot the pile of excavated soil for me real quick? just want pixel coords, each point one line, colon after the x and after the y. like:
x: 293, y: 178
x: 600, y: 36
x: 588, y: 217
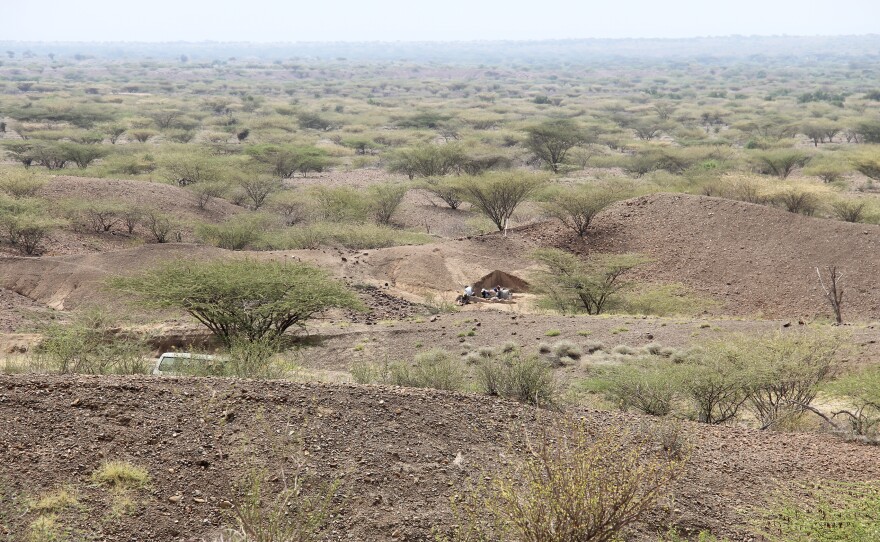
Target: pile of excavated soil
x: 399, y: 454
x: 754, y: 259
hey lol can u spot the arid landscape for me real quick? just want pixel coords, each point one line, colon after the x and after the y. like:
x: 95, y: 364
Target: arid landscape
x: 690, y: 239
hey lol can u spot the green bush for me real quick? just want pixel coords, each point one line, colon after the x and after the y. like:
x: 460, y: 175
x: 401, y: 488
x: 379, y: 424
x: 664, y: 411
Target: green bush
x: 340, y: 204
x: 575, y: 208
x: 20, y: 183
x: 527, y: 379
x: 384, y: 199
x: 861, y: 391
x: 237, y: 233
x: 241, y: 299
x: 571, y: 285
x: 433, y: 369
x: 648, y: 386
x: 90, y: 344
x: 252, y: 358
x: 25, y: 223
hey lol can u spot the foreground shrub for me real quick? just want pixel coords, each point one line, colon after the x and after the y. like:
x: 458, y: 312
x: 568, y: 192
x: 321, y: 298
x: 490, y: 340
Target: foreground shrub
x: 237, y: 233
x: 862, y: 393
x: 787, y: 371
x: 798, y: 200
x: 575, y: 208
x: 252, y: 359
x: 293, y: 514
x: 570, y: 487
x: 497, y: 195
x: 18, y: 183
x: 384, y: 200
x: 448, y: 191
x: 717, y: 382
x: 433, y: 369
x: 90, y: 344
x: 526, y: 379
x: 651, y: 388
x: 25, y: 224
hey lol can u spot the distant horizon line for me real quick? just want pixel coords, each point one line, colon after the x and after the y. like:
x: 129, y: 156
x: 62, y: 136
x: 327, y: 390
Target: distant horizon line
x: 461, y: 41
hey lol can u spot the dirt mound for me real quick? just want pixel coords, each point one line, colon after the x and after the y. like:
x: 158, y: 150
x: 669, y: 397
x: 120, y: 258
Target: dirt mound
x: 394, y: 452
x: 500, y: 278
x: 381, y: 305
x: 65, y: 282
x: 170, y: 199
x: 449, y: 265
x: 754, y: 259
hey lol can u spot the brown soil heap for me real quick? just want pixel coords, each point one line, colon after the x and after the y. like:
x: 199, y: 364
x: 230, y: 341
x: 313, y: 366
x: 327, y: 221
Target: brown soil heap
x: 505, y: 280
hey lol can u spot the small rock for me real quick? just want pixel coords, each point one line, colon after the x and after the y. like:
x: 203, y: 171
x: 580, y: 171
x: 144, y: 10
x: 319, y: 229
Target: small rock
x: 200, y: 499
x: 226, y: 505
x: 174, y: 499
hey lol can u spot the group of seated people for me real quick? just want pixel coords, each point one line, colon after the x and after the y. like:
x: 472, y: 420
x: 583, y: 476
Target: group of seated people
x: 495, y: 293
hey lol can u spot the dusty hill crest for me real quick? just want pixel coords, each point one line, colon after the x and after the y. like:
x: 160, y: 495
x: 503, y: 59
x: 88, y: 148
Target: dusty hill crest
x: 754, y: 259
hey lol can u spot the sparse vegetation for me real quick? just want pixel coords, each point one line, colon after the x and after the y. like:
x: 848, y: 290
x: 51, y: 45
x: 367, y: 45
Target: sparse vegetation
x: 432, y: 369
x: 91, y: 344
x: 342, y: 156
x: 571, y: 486
x: 291, y: 515
x: 515, y: 376
x: 823, y: 512
x: 121, y: 475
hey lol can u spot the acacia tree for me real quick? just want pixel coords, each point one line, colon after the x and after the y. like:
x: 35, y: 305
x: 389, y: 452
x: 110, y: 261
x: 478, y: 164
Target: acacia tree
x: 497, y: 195
x: 427, y: 160
x: 570, y: 284
x: 241, y: 299
x: 552, y: 139
x: 576, y: 207
x: 258, y: 188
x: 449, y: 192
x: 781, y: 162
x: 384, y: 200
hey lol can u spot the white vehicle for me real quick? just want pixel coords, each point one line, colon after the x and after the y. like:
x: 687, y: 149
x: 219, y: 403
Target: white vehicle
x: 172, y: 363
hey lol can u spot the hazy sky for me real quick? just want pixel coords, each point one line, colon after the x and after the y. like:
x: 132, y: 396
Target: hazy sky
x: 393, y: 20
